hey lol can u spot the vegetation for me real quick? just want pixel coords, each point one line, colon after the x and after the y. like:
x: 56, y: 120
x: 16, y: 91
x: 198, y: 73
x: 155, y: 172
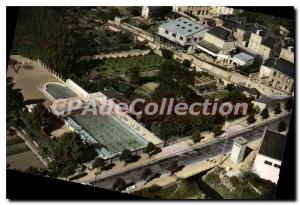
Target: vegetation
x: 281, y: 126
x: 251, y: 118
x: 197, y: 137
x: 68, y: 152
x: 147, y: 172
x: 119, y: 185
x: 167, y: 54
x: 151, y: 149
x: 14, y: 104
x: 288, y: 105
x: 185, y: 189
x: 277, y: 109
x: 265, y: 113
x: 240, y: 187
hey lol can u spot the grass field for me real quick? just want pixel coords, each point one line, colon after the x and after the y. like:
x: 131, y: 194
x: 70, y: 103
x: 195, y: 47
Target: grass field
x: 18, y: 155
x: 116, y: 66
x: 110, y: 132
x: 182, y: 190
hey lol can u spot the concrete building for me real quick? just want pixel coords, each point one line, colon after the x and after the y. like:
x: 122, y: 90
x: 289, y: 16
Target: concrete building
x: 287, y: 54
x: 154, y: 11
x: 238, y: 150
x: 243, y: 32
x: 216, y: 42
x: 195, y: 11
x: 269, y: 157
x: 278, y: 73
x: 183, y: 31
x: 242, y: 59
x: 262, y: 43
x: 223, y: 10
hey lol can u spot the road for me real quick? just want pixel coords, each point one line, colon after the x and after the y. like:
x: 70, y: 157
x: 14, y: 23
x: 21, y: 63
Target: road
x: 190, y: 157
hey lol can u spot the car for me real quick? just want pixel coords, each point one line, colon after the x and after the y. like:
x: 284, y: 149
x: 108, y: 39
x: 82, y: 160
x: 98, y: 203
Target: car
x: 131, y: 188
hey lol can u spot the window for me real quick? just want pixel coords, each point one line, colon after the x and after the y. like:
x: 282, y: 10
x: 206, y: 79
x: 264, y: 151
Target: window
x: 188, y: 39
x: 166, y: 31
x: 173, y: 35
x: 181, y: 38
x: 195, y: 39
x: 268, y: 163
x: 277, y: 166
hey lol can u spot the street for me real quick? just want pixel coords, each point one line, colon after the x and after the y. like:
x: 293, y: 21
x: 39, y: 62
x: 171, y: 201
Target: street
x: 196, y: 155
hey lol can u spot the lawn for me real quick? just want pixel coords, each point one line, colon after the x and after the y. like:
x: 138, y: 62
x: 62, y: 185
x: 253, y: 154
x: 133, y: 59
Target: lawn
x: 117, y: 66
x: 182, y: 190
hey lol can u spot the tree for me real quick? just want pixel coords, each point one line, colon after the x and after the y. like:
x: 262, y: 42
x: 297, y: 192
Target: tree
x: 281, y: 126
x: 147, y: 172
x: 125, y: 155
x: 167, y: 54
x: 99, y: 162
x: 217, y: 128
x: 196, y: 137
x: 133, y: 74
x: 150, y: 148
x: 265, y: 113
x: 277, y: 109
x: 288, y: 105
x: 230, y: 87
x: 119, y: 185
x: 69, y: 151
x: 173, y: 167
x: 251, y: 118
x: 186, y: 63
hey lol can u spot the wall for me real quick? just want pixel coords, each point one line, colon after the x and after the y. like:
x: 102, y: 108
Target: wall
x: 265, y: 171
x: 78, y: 90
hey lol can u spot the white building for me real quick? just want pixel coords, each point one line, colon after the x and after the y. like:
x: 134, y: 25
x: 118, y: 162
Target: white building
x: 224, y: 10
x: 243, y: 59
x: 183, y: 31
x: 238, y: 150
x: 268, y: 160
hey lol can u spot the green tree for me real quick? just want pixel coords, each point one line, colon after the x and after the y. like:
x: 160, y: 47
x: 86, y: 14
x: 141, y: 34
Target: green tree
x: 251, y: 118
x: 125, y: 155
x: 98, y: 163
x: 196, y: 137
x: 281, y: 126
x: 288, y: 105
x: 147, y: 172
x: 173, y: 167
x: 186, y: 63
x: 133, y: 74
x: 277, y: 109
x: 119, y: 185
x: 167, y: 54
x: 265, y: 113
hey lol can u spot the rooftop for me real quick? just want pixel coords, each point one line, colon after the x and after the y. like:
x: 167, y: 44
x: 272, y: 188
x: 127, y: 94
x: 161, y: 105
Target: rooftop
x: 183, y: 26
x: 209, y: 46
x: 273, y: 145
x: 243, y: 56
x: 269, y: 42
x: 240, y: 141
x: 281, y: 65
x: 273, y: 99
x: 220, y: 33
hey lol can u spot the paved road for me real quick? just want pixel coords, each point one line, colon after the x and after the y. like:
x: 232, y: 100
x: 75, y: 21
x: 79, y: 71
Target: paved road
x: 196, y: 155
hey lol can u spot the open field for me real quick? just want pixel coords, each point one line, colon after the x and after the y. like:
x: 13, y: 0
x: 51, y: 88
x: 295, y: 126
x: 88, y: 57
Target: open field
x: 110, y: 132
x: 23, y: 160
x: 116, y: 66
x: 18, y: 154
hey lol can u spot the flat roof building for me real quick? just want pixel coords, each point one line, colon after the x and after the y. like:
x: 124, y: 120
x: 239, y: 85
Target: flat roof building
x: 183, y: 31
